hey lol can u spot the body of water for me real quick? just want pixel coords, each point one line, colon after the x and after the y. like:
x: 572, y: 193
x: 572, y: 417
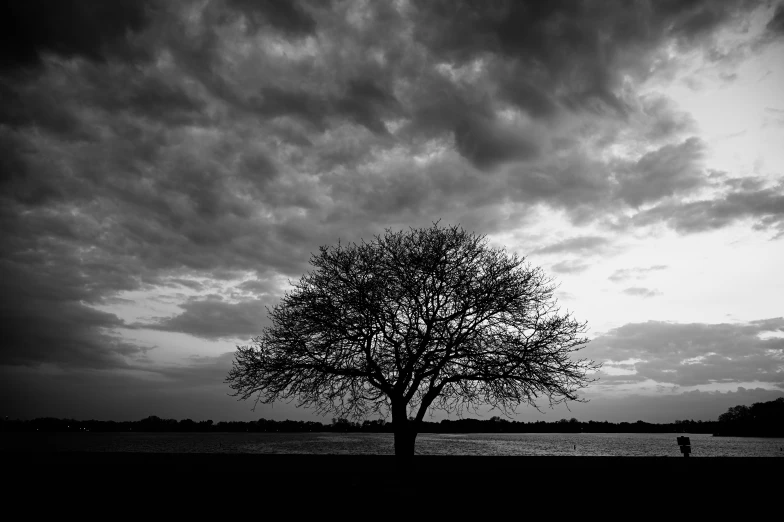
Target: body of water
x: 582, y: 444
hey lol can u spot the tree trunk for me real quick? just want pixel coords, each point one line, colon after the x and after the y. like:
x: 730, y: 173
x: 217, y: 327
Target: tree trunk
x: 405, y: 433
x: 405, y: 440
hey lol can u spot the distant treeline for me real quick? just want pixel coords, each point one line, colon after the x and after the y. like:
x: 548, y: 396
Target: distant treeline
x: 492, y: 425
x: 760, y: 419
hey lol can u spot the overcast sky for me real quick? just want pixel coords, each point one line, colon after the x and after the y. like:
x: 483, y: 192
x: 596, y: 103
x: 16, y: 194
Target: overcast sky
x: 167, y: 166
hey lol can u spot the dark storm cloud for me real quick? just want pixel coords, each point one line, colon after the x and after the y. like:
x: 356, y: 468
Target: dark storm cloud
x: 666, y: 119
x: 546, y: 61
x: 576, y: 46
x: 362, y: 102
x: 575, y: 183
x: 697, y: 353
x: 287, y: 15
x: 661, y: 173
x: 193, y: 390
x: 533, y: 100
x: 589, y: 189
x: 742, y: 200
x: 215, y: 318
x: 144, y: 142
x: 256, y: 286
x: 68, y: 334
x: 582, y: 244
x: 89, y: 28
x: 41, y: 107
x: 150, y: 97
x: 45, y: 319
x: 776, y: 23
x: 487, y: 144
x: 49, y: 280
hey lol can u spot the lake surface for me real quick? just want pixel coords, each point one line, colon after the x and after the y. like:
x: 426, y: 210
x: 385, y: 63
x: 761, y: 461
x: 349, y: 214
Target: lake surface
x: 581, y: 444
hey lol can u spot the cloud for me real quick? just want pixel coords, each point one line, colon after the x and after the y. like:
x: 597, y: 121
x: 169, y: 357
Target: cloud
x: 290, y: 17
x: 696, y: 353
x: 188, y: 283
x: 486, y: 143
x: 192, y: 390
x: 215, y: 318
x: 776, y: 23
x: 362, y: 102
x: 590, y: 189
x: 256, y: 287
x: 70, y: 28
x: 639, y: 291
x: 47, y: 317
x: 151, y: 143
x: 65, y: 333
x: 665, y: 120
x: 573, y: 266
x: 634, y: 273
x: 661, y: 173
x: 575, y: 183
x: 739, y: 201
x: 580, y: 244
x: 574, y: 43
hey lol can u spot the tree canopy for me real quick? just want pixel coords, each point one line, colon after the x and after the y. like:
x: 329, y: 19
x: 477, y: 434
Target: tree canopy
x: 411, y: 321
x: 762, y: 419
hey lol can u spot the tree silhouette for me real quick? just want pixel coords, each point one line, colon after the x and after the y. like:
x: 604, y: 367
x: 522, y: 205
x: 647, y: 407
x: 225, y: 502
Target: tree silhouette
x: 413, y: 321
x: 761, y: 419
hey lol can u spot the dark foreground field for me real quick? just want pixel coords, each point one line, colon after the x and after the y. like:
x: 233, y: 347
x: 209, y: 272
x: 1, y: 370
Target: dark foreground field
x: 461, y: 476
x: 224, y: 487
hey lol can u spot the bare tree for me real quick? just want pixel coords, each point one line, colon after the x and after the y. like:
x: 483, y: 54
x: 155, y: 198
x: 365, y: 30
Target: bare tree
x: 414, y: 321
